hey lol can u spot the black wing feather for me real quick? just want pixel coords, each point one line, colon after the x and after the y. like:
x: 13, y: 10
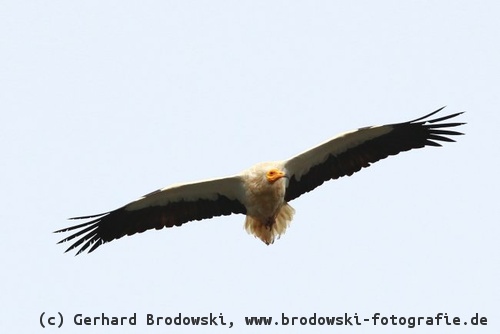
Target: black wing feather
x: 116, y: 224
x: 405, y: 136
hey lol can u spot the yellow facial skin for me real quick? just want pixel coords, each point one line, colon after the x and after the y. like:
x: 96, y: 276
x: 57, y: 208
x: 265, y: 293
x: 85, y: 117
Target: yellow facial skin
x: 274, y: 175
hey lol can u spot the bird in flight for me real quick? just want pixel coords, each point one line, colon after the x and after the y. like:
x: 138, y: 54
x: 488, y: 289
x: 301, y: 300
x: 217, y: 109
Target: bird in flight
x: 263, y: 191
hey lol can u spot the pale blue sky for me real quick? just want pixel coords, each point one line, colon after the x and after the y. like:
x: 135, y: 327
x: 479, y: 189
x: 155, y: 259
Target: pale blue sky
x: 104, y: 101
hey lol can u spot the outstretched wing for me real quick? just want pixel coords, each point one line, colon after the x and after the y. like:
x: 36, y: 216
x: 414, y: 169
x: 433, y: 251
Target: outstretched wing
x: 167, y: 207
x: 351, y: 151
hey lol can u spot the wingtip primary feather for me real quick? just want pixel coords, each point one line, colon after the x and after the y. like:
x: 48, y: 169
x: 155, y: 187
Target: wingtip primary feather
x: 428, y: 115
x: 440, y: 119
x: 425, y: 119
x: 75, y: 227
x: 91, y: 216
x: 87, y: 234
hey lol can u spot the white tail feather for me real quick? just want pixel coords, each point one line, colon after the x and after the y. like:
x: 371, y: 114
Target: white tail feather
x: 268, y: 233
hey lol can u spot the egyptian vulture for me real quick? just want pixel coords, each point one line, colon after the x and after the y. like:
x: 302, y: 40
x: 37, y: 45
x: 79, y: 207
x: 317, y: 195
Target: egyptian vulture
x: 263, y: 191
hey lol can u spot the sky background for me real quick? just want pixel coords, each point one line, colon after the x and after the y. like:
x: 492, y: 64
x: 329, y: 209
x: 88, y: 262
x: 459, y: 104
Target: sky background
x: 104, y: 101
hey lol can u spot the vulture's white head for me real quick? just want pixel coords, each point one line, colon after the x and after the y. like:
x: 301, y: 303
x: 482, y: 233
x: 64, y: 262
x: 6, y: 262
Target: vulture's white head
x: 266, y: 175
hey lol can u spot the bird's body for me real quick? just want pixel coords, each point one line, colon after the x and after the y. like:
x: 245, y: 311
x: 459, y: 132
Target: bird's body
x: 268, y: 215
x: 263, y: 191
